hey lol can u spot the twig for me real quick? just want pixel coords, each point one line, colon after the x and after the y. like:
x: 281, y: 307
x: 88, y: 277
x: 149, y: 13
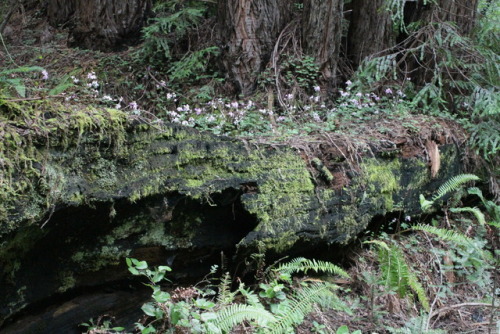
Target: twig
x: 448, y: 308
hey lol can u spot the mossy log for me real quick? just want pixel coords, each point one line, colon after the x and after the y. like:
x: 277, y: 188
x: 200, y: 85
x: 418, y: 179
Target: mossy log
x: 83, y: 189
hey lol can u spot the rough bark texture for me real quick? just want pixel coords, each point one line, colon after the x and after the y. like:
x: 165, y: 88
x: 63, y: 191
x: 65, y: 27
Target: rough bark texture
x: 370, y: 30
x: 171, y: 196
x: 321, y: 33
x: 461, y: 12
x: 100, y: 24
x: 248, y: 30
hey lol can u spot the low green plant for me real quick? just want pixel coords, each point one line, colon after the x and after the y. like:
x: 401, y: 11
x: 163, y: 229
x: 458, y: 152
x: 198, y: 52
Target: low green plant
x: 279, y: 307
x: 397, y: 275
x: 345, y: 330
x: 449, y: 186
x: 9, y: 79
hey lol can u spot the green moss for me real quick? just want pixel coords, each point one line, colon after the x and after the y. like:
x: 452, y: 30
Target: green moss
x: 383, y: 178
x: 67, y: 281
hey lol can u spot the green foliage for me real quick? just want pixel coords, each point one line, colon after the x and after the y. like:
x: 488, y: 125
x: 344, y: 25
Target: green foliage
x: 167, y: 42
x: 9, y: 79
x: 304, y: 265
x: 235, y: 314
x: 302, y: 72
x: 449, y: 186
x: 172, y: 22
x: 194, y: 309
x: 396, y: 274
x: 469, y: 256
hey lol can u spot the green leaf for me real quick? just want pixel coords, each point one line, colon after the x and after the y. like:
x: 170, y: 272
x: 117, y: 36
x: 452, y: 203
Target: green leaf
x: 343, y: 330
x: 133, y: 271
x: 161, y: 296
x: 149, y: 309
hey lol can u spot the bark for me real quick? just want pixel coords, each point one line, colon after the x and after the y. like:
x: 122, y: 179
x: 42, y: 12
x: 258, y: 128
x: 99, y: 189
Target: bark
x: 100, y: 24
x: 248, y: 30
x: 460, y: 12
x: 322, y: 32
x: 370, y: 30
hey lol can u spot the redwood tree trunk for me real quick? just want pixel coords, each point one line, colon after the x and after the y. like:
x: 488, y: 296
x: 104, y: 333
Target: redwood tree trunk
x: 461, y: 12
x: 249, y: 29
x: 370, y: 30
x: 322, y: 32
x: 100, y: 24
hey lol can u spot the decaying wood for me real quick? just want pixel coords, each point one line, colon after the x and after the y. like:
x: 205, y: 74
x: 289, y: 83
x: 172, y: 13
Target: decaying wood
x: 434, y: 157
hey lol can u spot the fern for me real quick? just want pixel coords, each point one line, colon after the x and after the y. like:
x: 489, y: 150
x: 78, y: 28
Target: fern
x: 226, y: 296
x: 457, y: 238
x: 449, y: 186
x: 235, y: 314
x: 397, y: 274
x: 475, y: 211
x: 492, y: 208
x: 304, y: 265
x: 299, y: 306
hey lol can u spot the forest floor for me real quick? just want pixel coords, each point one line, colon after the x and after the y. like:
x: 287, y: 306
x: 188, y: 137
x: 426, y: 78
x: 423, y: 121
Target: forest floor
x: 461, y: 298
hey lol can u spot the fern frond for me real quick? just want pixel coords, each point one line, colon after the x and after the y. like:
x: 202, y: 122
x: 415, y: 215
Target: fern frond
x: 298, y: 307
x: 235, y: 314
x: 456, y: 237
x: 447, y: 235
x: 225, y: 296
x: 417, y: 287
x: 397, y: 274
x: 453, y: 184
x: 301, y: 264
x: 475, y: 211
x: 251, y: 297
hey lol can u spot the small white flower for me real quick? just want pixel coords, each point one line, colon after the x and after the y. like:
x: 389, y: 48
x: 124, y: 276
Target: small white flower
x: 408, y: 218
x: 358, y: 94
x: 316, y: 99
x: 280, y: 118
x: 107, y: 98
x: 185, y: 123
x: 163, y: 83
x: 344, y: 94
x: 316, y: 117
x: 133, y: 105
x: 317, y: 88
x: 348, y: 83
x: 289, y: 96
x: 91, y: 76
x: 388, y: 91
x: 118, y: 106
x: 234, y: 105
x: 45, y: 75
x: 198, y: 110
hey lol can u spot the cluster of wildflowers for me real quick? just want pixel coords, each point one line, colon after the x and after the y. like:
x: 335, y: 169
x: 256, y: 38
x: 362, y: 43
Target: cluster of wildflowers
x: 89, y: 84
x: 355, y: 104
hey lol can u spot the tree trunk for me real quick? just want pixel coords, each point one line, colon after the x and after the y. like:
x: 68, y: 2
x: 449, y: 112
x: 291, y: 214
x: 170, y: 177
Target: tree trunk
x: 370, y: 30
x: 100, y: 24
x: 249, y: 29
x: 460, y: 12
x: 321, y: 33
x: 462, y: 15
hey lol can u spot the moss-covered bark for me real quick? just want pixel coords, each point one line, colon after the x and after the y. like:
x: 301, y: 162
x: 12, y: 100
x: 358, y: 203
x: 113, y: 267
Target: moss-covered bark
x: 82, y: 189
